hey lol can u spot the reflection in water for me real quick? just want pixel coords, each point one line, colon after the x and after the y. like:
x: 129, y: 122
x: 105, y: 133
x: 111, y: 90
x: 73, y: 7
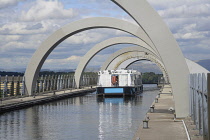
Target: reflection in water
x: 115, y: 117
x: 134, y: 100
x: 79, y: 118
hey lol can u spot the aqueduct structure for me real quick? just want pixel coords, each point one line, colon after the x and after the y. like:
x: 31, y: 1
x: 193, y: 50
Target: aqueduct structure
x: 151, y: 35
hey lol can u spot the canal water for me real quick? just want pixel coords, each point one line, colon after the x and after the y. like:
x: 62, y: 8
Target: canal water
x: 80, y: 118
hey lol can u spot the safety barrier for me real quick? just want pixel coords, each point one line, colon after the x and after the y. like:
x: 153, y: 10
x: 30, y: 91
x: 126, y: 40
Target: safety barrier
x: 199, y: 102
x: 14, y: 86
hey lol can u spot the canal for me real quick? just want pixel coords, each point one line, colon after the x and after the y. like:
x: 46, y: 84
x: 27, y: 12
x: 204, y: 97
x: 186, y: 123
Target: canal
x: 80, y: 118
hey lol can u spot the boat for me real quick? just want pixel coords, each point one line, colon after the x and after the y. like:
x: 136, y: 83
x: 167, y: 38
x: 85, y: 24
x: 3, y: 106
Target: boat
x: 119, y: 82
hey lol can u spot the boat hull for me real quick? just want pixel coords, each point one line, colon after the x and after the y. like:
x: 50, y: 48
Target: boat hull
x: 119, y: 91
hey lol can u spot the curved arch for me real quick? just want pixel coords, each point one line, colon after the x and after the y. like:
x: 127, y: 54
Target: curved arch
x: 68, y: 30
x: 122, y: 61
x: 195, y: 68
x: 167, y: 47
x: 128, y: 62
x: 100, y: 46
x: 126, y: 51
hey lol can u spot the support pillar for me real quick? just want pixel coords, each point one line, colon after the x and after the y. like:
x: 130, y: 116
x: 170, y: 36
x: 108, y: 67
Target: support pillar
x: 208, y: 94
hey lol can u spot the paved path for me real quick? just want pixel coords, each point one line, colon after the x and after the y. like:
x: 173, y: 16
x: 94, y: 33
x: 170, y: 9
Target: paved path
x: 162, y: 125
x: 12, y: 104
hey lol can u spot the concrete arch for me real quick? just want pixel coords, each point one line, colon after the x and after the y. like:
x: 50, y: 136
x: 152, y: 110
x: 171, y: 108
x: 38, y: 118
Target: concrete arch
x: 128, y: 62
x: 126, y: 51
x: 195, y: 68
x: 167, y: 47
x: 125, y: 59
x: 100, y: 46
x: 60, y: 35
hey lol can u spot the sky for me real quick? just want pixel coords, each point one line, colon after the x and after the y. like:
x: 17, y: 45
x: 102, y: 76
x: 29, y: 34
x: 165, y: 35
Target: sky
x: 25, y: 24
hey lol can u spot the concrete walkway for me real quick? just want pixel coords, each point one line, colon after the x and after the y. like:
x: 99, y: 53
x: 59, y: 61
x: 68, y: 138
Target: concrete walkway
x: 12, y: 104
x: 161, y: 124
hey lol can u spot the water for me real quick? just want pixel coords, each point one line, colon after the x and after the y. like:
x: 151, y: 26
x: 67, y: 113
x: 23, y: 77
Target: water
x: 79, y: 118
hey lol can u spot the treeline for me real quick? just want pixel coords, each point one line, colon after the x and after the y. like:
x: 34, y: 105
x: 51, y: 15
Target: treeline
x: 150, y: 78
x: 4, y: 73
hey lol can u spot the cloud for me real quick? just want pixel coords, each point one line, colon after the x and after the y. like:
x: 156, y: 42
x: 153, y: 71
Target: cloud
x: 14, y: 62
x: 42, y: 10
x: 7, y: 3
x: 25, y: 25
x: 70, y: 62
x: 23, y: 28
x: 185, y: 11
x: 9, y: 38
x: 85, y: 38
x: 34, y: 27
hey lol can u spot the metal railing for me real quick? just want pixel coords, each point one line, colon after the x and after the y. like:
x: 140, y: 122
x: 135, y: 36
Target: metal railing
x: 199, y: 103
x: 14, y: 86
x: 11, y: 86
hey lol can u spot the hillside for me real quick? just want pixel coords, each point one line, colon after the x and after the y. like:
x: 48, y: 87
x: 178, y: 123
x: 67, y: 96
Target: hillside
x: 204, y: 63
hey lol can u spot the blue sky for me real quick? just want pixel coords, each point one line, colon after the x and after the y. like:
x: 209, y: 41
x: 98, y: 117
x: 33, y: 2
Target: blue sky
x: 25, y: 24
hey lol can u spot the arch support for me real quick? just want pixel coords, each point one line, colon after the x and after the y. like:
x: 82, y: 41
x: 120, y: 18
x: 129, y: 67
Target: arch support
x: 122, y: 58
x: 167, y: 47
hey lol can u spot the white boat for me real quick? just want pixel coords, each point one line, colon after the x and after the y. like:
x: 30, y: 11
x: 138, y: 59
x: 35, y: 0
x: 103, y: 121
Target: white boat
x: 119, y: 82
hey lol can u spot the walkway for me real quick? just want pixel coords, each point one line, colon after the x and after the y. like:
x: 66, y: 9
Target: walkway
x: 12, y: 104
x: 162, y: 125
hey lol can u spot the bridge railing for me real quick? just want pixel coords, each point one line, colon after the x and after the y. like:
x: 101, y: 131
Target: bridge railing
x: 11, y: 86
x: 50, y: 83
x: 88, y: 80
x: 199, y: 102
x: 14, y: 86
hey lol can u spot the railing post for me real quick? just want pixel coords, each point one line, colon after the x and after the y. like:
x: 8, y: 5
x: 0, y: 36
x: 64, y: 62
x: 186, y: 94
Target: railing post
x: 55, y: 82
x: 18, y: 85
x: 205, y: 111
x: 41, y: 84
x: 1, y: 93
x: 12, y: 86
x: 73, y: 83
x: 58, y: 82
x: 5, y: 86
x: 23, y: 86
x: 37, y: 86
x: 51, y: 82
x: 208, y: 98
x: 45, y: 83
x: 61, y: 82
x: 68, y: 86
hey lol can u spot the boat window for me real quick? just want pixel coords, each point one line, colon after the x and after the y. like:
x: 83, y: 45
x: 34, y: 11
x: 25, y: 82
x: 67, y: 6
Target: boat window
x: 115, y: 80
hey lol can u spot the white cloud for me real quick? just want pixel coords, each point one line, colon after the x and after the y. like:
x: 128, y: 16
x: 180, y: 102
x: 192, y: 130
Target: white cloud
x: 190, y: 35
x: 25, y: 28
x: 8, y: 38
x: 43, y: 10
x: 85, y: 38
x: 71, y: 61
x: 186, y: 11
x: 12, y: 46
x: 14, y: 62
x: 6, y: 3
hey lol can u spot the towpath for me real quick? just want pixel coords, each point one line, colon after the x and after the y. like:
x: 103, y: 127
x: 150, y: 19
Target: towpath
x: 162, y: 125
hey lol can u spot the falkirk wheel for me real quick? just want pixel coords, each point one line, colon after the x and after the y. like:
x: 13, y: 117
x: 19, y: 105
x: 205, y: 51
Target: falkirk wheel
x: 151, y: 29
